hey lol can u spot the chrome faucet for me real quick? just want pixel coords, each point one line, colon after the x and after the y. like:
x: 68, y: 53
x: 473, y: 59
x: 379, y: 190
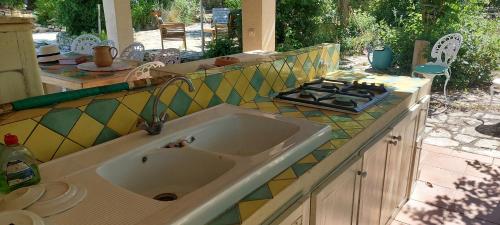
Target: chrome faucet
x: 156, y: 125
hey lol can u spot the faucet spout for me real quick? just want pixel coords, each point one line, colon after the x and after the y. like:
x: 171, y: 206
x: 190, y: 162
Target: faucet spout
x: 158, y: 119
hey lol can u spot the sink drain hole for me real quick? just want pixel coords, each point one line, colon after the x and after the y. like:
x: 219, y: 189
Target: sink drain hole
x: 165, y: 197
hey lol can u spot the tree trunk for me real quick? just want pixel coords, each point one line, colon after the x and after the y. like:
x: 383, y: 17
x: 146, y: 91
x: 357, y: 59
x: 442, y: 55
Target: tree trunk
x: 344, y: 12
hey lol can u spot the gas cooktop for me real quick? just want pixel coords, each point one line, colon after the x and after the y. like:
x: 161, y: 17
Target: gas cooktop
x: 335, y: 95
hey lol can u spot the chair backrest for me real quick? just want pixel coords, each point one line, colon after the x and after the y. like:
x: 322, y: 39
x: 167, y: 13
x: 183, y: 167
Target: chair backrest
x: 109, y: 43
x: 142, y: 71
x: 64, y: 41
x: 172, y: 30
x: 446, y: 49
x: 220, y: 15
x: 134, y: 51
x: 169, y: 56
x: 84, y: 43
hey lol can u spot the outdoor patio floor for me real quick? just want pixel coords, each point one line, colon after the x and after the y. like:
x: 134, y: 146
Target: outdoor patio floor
x: 454, y: 187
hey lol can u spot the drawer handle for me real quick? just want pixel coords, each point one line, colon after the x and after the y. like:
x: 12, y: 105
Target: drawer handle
x: 362, y: 173
x: 393, y: 142
x: 397, y: 137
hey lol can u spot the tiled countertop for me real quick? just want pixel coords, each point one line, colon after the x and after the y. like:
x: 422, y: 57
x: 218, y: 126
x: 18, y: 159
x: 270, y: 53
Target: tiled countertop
x: 345, y: 127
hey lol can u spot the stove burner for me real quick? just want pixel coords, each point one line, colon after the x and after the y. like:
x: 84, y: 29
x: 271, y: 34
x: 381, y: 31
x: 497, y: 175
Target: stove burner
x: 363, y: 92
x: 344, y: 101
x: 329, y: 86
x: 305, y: 94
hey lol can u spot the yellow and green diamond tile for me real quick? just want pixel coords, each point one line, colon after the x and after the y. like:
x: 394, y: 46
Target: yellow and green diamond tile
x: 249, y: 72
x: 115, y: 95
x: 327, y: 145
x: 85, y: 131
x: 271, y: 75
x: 277, y: 186
x: 44, y: 142
x: 61, y: 120
x: 224, y: 90
x: 102, y: 110
x: 147, y: 112
x: 301, y: 168
x: 286, y: 175
x: 249, y: 105
x: 250, y: 94
x: 180, y: 103
x: 169, y: 93
x: 321, y: 154
x: 213, y: 81
x: 340, y: 134
x: 229, y: 217
x: 362, y: 116
x: 194, y: 107
x: 264, y: 89
x: 312, y: 113
x: 234, y: 98
x: 285, y: 72
x: 241, y: 85
x: 278, y: 64
x: 353, y: 131
x: 264, y: 67
x: 21, y: 128
x: 349, y: 125
x: 204, y: 96
x: 66, y: 148
x: 366, y: 123
x: 123, y: 120
x: 293, y: 114
x: 24, y: 114
x: 250, y: 207
x: 320, y: 119
x: 232, y: 76
x: 339, y: 142
x: 196, y: 84
x: 137, y: 101
x: 171, y: 114
x: 268, y: 107
x: 308, y: 159
x: 278, y: 85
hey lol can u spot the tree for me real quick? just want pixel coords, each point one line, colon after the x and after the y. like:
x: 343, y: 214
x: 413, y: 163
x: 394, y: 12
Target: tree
x: 12, y: 4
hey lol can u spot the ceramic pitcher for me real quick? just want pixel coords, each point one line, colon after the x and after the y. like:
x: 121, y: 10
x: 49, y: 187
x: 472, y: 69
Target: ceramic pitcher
x: 381, y: 58
x: 104, y: 55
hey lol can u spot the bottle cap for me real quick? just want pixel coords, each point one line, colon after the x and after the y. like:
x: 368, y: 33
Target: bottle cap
x: 10, y: 139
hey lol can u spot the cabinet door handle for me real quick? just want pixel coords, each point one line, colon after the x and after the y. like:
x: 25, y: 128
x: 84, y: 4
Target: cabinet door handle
x: 393, y: 142
x: 362, y: 173
x: 397, y: 137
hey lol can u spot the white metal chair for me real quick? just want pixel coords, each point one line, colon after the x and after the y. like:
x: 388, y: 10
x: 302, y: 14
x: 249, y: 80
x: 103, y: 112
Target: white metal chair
x: 84, y: 43
x: 64, y: 41
x: 445, y: 52
x: 169, y: 56
x: 109, y: 43
x: 134, y: 51
x: 495, y: 87
x: 142, y: 71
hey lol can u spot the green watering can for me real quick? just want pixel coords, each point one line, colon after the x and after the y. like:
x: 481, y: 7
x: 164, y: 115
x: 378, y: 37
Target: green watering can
x: 381, y: 58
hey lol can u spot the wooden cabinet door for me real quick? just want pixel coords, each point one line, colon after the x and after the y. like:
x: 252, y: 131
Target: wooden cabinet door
x: 372, y: 181
x: 400, y: 151
x: 297, y: 214
x: 335, y: 202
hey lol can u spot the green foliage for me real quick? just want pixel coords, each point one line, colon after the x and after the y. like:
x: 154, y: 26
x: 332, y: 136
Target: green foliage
x: 78, y: 16
x: 221, y: 47
x: 185, y: 11
x: 232, y: 4
x: 12, y: 4
x: 46, y: 12
x: 303, y: 23
x: 142, y: 12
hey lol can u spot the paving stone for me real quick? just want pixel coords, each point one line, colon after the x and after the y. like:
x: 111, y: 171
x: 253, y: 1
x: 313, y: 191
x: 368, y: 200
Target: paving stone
x: 471, y: 131
x: 487, y: 143
x: 454, y: 129
x: 478, y: 115
x: 472, y: 122
x: 481, y: 151
x: 464, y: 138
x: 440, y: 141
x: 427, y: 129
x: 440, y: 133
x: 441, y: 117
x: 459, y: 114
x: 491, y: 116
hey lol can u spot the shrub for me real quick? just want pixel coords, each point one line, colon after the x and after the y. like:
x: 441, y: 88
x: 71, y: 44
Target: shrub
x: 78, y: 16
x: 185, y: 11
x: 222, y: 46
x: 142, y: 17
x: 12, y: 4
x: 232, y: 4
x: 46, y: 12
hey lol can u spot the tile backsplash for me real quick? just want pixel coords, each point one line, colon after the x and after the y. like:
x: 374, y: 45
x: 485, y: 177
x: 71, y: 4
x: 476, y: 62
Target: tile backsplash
x: 64, y: 128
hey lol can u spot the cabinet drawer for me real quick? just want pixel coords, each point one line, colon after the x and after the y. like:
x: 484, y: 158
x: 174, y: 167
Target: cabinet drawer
x: 9, y: 52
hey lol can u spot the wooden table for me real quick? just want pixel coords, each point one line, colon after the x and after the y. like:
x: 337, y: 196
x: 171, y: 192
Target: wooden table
x: 70, y: 77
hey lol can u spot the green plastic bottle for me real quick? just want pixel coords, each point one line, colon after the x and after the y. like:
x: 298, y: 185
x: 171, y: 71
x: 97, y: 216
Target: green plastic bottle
x: 18, y: 166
